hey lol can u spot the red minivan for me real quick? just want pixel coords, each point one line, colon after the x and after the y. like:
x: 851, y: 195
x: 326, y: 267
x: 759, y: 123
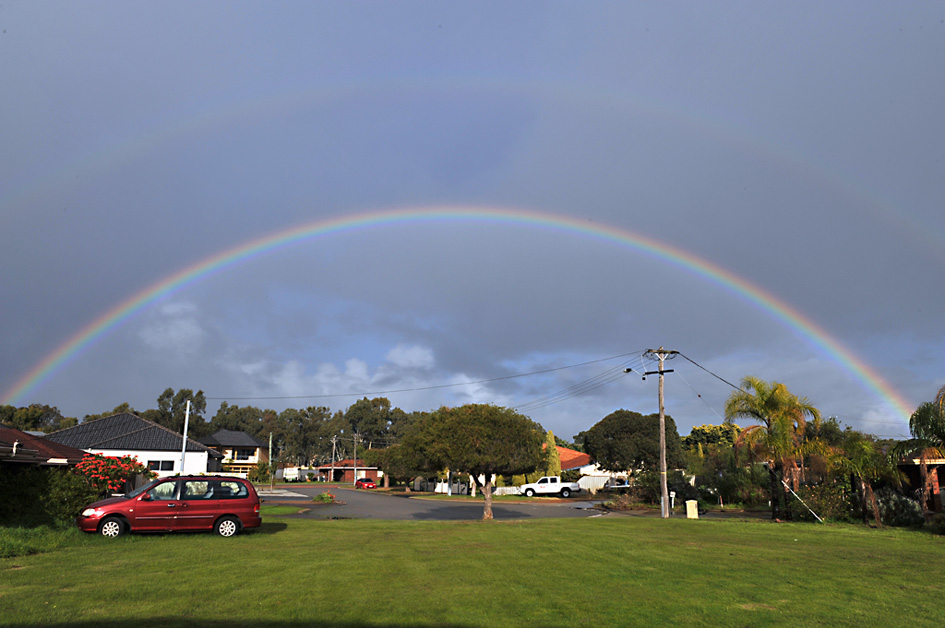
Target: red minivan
x: 225, y: 505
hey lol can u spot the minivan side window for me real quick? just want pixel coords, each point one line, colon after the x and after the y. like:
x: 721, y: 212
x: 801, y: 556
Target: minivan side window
x: 164, y: 491
x: 196, y: 490
x: 228, y: 489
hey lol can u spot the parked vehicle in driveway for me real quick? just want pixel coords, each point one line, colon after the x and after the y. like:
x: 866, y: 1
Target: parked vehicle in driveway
x: 364, y: 483
x: 550, y: 485
x: 225, y: 505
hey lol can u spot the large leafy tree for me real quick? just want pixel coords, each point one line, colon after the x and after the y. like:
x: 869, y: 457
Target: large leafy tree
x: 478, y: 439
x: 625, y: 440
x: 35, y: 417
x: 172, y: 407
x: 776, y: 438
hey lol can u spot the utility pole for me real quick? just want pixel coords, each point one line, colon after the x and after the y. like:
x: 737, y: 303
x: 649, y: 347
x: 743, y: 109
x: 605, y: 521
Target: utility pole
x: 183, y: 447
x: 334, y: 439
x: 662, y: 354
x: 356, y: 436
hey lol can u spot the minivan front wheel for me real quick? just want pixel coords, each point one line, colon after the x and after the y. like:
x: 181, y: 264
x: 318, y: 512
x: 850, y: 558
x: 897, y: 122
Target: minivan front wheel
x: 112, y: 527
x: 227, y: 526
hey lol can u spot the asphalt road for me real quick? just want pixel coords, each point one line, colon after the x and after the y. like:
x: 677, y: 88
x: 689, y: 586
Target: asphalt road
x: 372, y: 504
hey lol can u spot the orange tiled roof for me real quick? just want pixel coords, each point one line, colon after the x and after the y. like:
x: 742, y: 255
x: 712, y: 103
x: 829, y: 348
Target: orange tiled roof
x: 571, y: 459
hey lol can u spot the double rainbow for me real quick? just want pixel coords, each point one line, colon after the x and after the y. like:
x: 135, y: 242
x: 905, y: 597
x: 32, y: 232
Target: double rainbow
x: 273, y: 242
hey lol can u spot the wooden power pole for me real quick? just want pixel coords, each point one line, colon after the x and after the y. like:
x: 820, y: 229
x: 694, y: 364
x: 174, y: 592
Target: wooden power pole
x: 662, y: 354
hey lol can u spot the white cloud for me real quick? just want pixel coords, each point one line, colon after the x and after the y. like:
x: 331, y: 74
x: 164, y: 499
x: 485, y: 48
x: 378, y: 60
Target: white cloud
x: 412, y: 356
x: 174, y: 328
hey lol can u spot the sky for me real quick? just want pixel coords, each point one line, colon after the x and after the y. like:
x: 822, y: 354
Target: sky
x: 299, y: 204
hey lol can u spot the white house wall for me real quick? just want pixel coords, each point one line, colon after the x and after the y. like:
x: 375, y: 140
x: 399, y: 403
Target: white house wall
x: 195, y: 462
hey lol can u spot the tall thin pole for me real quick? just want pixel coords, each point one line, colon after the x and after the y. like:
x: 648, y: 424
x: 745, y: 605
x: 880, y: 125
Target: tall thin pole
x: 272, y: 468
x: 183, y: 447
x: 355, y: 457
x: 334, y: 439
x: 664, y: 489
x: 662, y: 354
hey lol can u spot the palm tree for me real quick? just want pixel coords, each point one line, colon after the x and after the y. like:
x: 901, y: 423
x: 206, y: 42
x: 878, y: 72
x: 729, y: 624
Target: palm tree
x: 927, y: 425
x: 860, y: 458
x: 781, y: 417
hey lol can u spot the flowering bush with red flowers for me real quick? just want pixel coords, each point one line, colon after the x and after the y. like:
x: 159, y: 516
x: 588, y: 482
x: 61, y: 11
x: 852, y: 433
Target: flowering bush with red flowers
x: 106, y: 474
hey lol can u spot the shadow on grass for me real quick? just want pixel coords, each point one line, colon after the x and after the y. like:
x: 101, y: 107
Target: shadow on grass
x: 270, y: 527
x: 191, y: 623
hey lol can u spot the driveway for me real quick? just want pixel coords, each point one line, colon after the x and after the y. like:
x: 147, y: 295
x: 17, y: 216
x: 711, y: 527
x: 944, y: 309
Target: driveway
x: 368, y: 504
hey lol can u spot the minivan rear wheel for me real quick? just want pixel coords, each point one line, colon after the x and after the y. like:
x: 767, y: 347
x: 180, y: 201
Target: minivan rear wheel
x: 112, y: 527
x: 227, y: 526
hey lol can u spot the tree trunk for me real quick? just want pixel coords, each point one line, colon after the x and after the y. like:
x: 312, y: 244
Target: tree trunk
x: 924, y: 491
x: 864, y: 500
x: 775, y: 494
x: 487, y: 494
x: 872, y: 496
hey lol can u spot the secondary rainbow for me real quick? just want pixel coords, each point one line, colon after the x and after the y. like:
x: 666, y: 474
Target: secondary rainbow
x: 273, y: 242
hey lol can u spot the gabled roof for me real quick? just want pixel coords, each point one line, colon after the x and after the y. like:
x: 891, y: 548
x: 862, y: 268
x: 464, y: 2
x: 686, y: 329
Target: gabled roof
x: 125, y: 431
x: 231, y: 438
x: 572, y: 459
x: 39, y: 449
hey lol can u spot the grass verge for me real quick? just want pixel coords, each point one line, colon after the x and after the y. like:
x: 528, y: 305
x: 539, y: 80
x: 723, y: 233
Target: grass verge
x: 608, y: 571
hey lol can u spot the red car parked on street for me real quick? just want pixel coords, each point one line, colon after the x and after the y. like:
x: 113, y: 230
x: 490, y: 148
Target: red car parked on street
x: 365, y: 483
x: 225, y: 505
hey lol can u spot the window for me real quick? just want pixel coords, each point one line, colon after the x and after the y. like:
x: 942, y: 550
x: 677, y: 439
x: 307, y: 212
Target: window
x: 161, y: 465
x: 243, y: 453
x: 230, y: 490
x: 196, y: 490
x: 164, y: 491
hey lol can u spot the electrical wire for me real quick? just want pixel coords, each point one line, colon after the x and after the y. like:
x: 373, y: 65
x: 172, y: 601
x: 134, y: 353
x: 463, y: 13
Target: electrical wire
x: 710, y: 372
x: 420, y: 388
x: 575, y: 390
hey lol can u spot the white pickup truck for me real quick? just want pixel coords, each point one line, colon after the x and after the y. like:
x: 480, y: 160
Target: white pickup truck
x: 550, y: 485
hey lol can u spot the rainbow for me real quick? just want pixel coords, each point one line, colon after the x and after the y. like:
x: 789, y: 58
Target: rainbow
x: 279, y: 240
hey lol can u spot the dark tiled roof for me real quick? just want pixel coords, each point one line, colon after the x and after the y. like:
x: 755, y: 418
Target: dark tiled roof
x: 124, y: 431
x: 232, y: 438
x: 44, y: 449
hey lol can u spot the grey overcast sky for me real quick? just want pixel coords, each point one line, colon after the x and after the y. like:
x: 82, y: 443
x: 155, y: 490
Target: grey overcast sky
x: 798, y: 148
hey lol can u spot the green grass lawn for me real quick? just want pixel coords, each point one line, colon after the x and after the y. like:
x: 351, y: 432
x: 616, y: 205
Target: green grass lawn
x: 608, y: 571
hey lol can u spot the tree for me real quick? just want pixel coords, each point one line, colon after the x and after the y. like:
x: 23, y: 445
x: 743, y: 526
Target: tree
x: 119, y: 409
x: 372, y: 419
x: 927, y: 425
x: 781, y: 417
x: 723, y: 435
x: 860, y: 458
x: 35, y: 417
x: 625, y: 440
x: 173, y: 406
x: 478, y: 439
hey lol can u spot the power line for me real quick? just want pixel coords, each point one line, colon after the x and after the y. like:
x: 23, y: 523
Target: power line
x: 420, y: 388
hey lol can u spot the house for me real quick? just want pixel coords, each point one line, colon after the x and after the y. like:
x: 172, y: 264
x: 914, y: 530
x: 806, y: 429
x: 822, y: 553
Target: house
x: 241, y: 452
x: 154, y: 445
x: 592, y: 476
x: 348, y: 471
x: 23, y: 448
x: 911, y: 467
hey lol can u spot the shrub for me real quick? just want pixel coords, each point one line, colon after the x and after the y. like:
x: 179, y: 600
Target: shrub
x: 324, y: 498
x: 108, y: 474
x: 65, y: 496
x: 937, y: 524
x: 310, y: 477
x: 260, y: 473
x: 896, y: 509
x: 831, y: 501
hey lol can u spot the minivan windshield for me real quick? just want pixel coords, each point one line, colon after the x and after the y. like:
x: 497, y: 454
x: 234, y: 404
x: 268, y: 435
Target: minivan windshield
x: 140, y: 489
